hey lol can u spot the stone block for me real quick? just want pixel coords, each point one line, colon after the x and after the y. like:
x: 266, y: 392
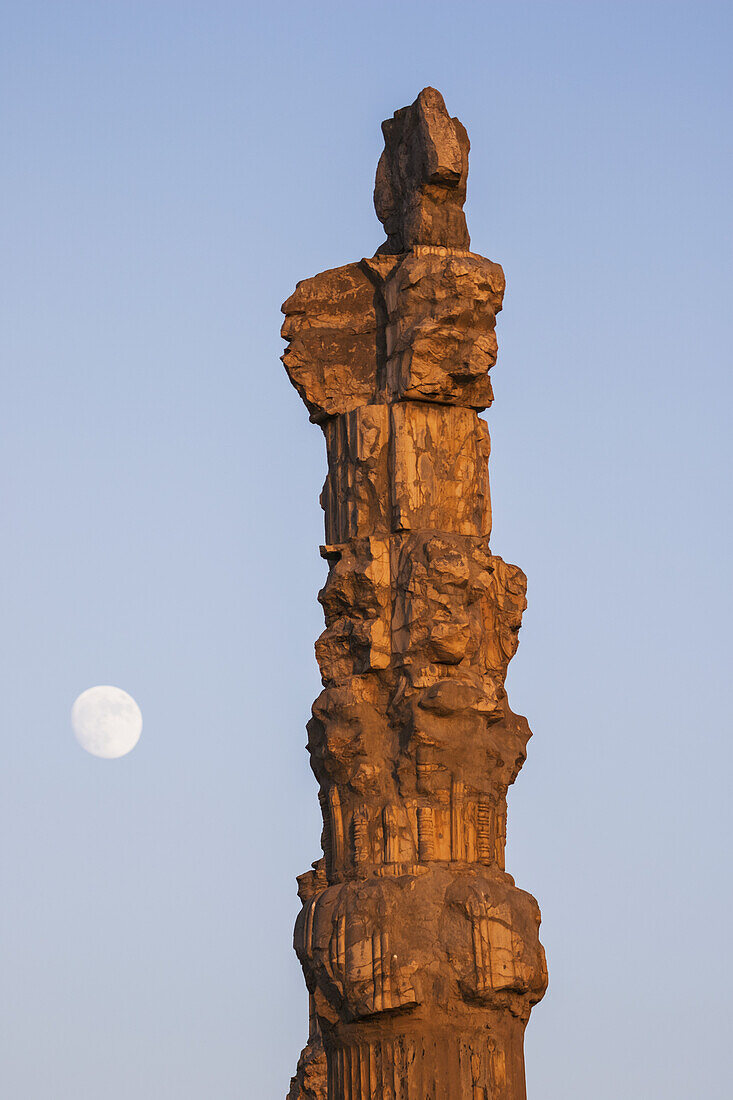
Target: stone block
x: 441, y: 318
x: 331, y: 328
x: 439, y: 469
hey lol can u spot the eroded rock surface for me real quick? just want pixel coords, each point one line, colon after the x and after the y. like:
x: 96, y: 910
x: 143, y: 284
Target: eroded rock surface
x: 420, y: 187
x: 421, y: 957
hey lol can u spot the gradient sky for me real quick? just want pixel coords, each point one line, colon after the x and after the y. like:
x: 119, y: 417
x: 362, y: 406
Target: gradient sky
x: 169, y: 171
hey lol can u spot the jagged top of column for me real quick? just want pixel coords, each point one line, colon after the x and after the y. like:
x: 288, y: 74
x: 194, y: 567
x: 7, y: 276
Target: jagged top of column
x: 421, y: 179
x: 415, y: 322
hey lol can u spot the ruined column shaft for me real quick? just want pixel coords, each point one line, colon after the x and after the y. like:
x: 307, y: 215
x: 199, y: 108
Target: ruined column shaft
x: 421, y: 957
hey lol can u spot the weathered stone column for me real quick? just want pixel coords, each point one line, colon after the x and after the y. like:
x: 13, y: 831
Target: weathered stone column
x: 421, y: 956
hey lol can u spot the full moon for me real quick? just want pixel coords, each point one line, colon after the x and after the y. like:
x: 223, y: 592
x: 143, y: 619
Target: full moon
x: 106, y: 721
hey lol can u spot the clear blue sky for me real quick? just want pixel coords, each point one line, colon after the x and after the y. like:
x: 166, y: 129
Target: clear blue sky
x: 169, y: 171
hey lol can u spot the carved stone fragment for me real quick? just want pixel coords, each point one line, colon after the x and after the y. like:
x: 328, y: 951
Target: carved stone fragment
x: 421, y: 957
x: 420, y: 187
x: 331, y: 329
x: 441, y: 315
x: 439, y: 471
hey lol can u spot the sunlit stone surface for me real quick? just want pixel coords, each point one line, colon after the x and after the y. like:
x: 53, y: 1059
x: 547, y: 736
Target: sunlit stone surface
x: 421, y: 956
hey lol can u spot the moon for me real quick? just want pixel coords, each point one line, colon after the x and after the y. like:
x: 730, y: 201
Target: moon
x: 106, y: 721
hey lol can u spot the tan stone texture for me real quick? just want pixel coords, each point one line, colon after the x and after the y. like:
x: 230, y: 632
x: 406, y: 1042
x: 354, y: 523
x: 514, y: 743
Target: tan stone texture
x: 420, y: 187
x: 421, y: 957
x: 419, y: 326
x: 331, y: 326
x: 441, y: 315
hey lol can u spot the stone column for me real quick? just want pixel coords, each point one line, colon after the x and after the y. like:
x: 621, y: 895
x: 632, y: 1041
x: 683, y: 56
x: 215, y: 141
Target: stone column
x: 421, y: 957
